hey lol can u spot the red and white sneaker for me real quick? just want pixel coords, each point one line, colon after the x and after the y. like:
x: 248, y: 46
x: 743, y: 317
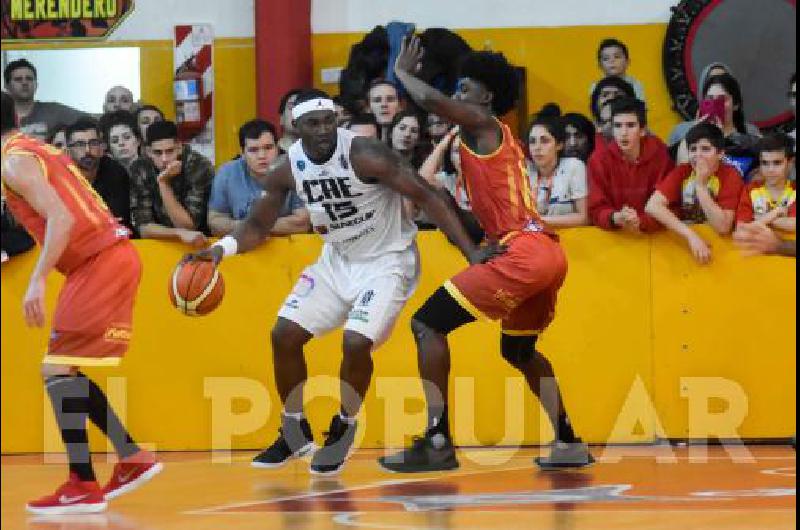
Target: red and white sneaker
x: 74, y: 496
x: 130, y: 473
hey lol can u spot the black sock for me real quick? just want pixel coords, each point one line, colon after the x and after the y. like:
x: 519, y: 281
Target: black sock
x: 438, y: 421
x: 104, y: 417
x: 564, y: 432
x: 70, y: 399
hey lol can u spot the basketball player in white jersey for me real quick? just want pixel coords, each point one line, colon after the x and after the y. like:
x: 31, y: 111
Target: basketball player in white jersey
x: 353, y: 188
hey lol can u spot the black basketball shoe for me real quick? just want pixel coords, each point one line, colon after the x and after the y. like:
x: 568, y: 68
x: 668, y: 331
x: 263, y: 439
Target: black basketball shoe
x: 566, y: 456
x: 331, y: 457
x: 295, y: 440
x: 432, y: 452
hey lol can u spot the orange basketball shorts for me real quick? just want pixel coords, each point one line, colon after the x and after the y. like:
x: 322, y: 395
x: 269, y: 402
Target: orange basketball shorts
x: 93, y: 320
x: 519, y: 287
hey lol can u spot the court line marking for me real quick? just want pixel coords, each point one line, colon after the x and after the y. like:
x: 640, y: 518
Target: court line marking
x: 310, y: 495
x: 346, y: 519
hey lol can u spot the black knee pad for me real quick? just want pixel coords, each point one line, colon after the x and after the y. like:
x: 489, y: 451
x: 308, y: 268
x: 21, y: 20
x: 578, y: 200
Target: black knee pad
x: 518, y: 350
x: 442, y: 313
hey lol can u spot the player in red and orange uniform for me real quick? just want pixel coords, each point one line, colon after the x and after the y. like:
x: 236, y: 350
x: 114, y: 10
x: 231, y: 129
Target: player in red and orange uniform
x: 80, y: 238
x: 518, y: 285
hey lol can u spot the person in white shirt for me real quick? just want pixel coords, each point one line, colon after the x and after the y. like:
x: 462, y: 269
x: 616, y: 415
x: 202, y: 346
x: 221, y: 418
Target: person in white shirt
x: 558, y: 183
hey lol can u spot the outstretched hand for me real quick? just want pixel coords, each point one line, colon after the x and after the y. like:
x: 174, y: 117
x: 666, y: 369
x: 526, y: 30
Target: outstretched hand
x: 486, y: 253
x: 411, y: 52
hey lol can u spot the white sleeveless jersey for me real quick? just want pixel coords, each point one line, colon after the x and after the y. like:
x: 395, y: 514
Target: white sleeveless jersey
x: 360, y: 221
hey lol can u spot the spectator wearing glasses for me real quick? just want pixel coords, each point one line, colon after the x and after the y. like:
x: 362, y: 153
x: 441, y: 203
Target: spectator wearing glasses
x: 106, y: 176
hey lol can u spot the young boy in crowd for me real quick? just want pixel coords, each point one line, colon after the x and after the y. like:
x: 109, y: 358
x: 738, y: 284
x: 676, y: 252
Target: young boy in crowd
x: 706, y: 190
x: 771, y: 201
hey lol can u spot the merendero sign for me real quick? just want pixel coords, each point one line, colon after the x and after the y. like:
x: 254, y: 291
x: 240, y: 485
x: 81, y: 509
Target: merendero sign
x: 62, y: 19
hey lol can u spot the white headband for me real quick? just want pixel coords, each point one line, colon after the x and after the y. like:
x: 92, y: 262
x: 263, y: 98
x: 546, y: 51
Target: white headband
x: 312, y: 105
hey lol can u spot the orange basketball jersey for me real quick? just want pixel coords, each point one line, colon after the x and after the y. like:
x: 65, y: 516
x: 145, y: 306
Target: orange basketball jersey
x: 499, y: 189
x: 95, y: 227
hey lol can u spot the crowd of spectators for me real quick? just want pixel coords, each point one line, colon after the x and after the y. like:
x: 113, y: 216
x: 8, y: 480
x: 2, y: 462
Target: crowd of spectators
x: 607, y: 169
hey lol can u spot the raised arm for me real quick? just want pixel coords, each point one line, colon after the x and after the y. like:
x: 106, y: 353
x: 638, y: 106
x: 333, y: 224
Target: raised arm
x: 473, y: 119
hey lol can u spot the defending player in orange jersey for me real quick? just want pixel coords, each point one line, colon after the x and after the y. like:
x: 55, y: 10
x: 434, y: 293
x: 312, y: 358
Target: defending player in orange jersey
x: 518, y: 286
x: 80, y: 238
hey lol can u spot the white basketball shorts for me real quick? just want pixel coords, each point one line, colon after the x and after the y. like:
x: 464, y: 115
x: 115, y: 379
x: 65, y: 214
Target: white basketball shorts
x: 365, y: 297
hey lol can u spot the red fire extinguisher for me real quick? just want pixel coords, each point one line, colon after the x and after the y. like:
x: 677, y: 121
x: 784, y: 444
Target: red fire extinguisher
x: 189, y: 109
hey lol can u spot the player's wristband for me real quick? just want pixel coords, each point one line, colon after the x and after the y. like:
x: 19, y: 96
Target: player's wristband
x: 229, y: 246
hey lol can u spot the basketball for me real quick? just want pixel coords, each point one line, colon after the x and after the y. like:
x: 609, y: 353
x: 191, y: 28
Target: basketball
x: 196, y: 288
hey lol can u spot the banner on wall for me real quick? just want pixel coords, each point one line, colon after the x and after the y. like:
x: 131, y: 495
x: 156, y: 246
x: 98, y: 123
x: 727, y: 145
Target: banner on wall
x: 194, y: 86
x: 26, y: 20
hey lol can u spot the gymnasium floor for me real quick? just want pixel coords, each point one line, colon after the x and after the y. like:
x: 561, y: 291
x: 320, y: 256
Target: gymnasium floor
x: 495, y: 489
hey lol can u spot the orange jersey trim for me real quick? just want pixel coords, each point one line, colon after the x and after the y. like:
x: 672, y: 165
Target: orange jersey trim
x: 463, y: 301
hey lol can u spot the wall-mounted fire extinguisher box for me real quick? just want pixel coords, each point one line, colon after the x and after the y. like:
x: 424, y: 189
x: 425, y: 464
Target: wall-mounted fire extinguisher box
x: 189, y: 110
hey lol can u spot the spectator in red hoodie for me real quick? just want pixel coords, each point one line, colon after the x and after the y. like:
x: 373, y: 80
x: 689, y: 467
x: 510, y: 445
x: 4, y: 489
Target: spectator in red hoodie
x: 706, y: 190
x: 624, y: 175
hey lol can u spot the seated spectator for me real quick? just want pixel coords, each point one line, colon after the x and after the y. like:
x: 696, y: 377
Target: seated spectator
x: 436, y: 128
x: 170, y: 187
x: 118, y: 98
x: 442, y: 170
x: 604, y: 91
x: 679, y: 131
x: 145, y: 115
x: 613, y: 59
x: 755, y: 238
x: 106, y: 176
x: 771, y: 202
x: 384, y: 101
x: 580, y: 136
x: 343, y: 112
x: 13, y: 238
x: 558, y: 183
x: 289, y: 134
x: 704, y: 190
x: 58, y: 136
x: 237, y: 185
x: 404, y: 133
x: 364, y: 125
x: 624, y: 175
x: 36, y: 118
x: 739, y: 143
x: 121, y: 135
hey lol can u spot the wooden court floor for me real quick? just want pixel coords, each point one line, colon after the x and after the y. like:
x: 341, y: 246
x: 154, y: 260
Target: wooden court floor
x: 497, y: 489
